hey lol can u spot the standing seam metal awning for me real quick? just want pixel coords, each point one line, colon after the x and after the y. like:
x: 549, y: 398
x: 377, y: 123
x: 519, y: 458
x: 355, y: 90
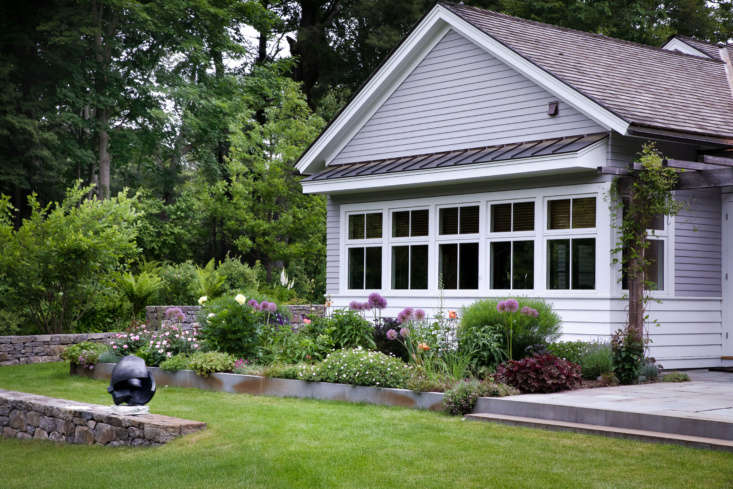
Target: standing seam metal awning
x: 503, y: 152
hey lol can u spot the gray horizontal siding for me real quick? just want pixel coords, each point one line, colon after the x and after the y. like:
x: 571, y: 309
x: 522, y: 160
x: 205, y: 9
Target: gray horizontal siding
x: 459, y: 97
x: 622, y: 150
x: 332, y: 246
x: 698, y: 245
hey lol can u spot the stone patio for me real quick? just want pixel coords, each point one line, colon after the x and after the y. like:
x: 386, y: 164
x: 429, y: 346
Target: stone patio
x: 699, y: 412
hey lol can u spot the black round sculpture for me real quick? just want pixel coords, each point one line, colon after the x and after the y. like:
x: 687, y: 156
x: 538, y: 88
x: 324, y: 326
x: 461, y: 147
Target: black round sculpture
x: 131, y: 382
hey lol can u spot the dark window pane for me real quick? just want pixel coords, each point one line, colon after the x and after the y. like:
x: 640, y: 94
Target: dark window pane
x: 373, y: 273
x: 401, y: 224
x: 419, y: 267
x: 584, y: 264
x: 501, y: 218
x: 356, y: 226
x: 558, y: 214
x: 468, y: 274
x: 524, y: 216
x: 655, y: 256
x: 374, y: 225
x: 400, y: 267
x: 558, y: 264
x: 448, y: 265
x: 584, y: 213
x: 420, y: 223
x: 523, y: 265
x: 501, y: 265
x: 449, y: 220
x: 657, y: 222
x: 356, y: 268
x: 469, y: 220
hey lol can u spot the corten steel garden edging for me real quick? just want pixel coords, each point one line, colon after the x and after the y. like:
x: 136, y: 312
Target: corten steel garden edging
x: 268, y: 386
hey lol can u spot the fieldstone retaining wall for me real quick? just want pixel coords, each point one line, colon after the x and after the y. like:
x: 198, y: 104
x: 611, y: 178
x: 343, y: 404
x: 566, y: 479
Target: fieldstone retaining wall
x: 154, y: 315
x: 42, y: 348
x: 29, y: 416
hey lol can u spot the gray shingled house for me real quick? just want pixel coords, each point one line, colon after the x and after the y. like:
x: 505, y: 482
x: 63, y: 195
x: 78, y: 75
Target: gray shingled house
x: 481, y: 155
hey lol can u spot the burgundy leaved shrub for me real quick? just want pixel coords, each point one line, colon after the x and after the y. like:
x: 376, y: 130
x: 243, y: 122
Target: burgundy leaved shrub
x: 542, y: 372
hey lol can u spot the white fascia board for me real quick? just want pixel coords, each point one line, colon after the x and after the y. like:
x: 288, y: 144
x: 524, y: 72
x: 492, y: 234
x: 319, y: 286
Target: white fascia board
x: 588, y: 159
x: 676, y: 44
x: 433, y: 27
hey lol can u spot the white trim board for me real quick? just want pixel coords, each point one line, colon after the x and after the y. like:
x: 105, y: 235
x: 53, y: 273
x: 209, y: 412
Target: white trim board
x: 676, y: 44
x: 588, y: 159
x: 412, y: 50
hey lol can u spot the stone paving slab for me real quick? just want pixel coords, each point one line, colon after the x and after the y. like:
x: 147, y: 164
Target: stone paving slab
x: 691, y: 400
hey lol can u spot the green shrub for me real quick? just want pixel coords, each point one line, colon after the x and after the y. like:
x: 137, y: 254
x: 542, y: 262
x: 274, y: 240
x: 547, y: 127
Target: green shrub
x: 178, y: 284
x: 569, y: 350
x: 205, y: 363
x: 527, y: 330
x: 84, y: 354
x: 596, y: 360
x: 649, y: 371
x: 497, y: 389
x: 350, y: 330
x: 676, y: 377
x: 461, y: 399
x: 238, y: 276
x: 182, y: 361
x: 628, y: 356
x: 62, y: 255
x: 231, y: 327
x: 109, y: 357
x: 422, y: 380
x: 362, y: 367
x: 282, y: 371
x: 484, y: 344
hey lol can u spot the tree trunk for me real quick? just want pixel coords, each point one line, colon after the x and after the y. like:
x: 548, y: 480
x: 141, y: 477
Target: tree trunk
x: 103, y: 159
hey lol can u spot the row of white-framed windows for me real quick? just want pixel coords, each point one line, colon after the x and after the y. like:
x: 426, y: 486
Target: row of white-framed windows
x: 512, y: 245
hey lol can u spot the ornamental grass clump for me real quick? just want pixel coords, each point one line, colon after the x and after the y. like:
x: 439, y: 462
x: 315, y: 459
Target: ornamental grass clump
x: 540, y: 373
x: 363, y: 367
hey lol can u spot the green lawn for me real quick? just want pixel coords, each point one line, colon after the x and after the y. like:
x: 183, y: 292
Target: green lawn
x: 288, y: 443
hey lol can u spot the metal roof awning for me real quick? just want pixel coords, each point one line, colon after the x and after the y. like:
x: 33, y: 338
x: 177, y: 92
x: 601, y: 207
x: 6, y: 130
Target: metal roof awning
x: 453, y: 165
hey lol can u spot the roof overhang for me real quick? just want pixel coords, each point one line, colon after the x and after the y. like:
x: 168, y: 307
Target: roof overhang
x: 677, y: 44
x: 408, y: 55
x: 585, y: 160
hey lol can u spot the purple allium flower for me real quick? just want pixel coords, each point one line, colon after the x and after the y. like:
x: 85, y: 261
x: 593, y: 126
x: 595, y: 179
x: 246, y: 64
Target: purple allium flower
x: 174, y: 313
x: 354, y: 306
x: 511, y: 305
x: 271, y: 307
x: 419, y: 314
x: 501, y: 306
x: 376, y: 301
x: 391, y: 335
x: 404, y: 332
x: 253, y: 304
x: 407, y: 313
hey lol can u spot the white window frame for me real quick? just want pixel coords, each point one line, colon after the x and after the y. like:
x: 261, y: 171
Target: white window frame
x: 667, y: 236
x: 570, y: 234
x: 362, y: 243
x: 458, y: 239
x: 410, y: 241
x: 511, y: 236
x: 607, y: 285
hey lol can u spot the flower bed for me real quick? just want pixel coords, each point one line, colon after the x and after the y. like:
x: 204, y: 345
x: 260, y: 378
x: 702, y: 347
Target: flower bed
x: 267, y: 386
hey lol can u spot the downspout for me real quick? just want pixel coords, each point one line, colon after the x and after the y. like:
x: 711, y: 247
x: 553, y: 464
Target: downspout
x: 726, y: 56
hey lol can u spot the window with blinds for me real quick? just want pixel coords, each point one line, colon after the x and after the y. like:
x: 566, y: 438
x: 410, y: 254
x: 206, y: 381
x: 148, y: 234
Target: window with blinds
x: 365, y: 226
x: 511, y: 256
x: 571, y: 213
x: 459, y: 220
x: 571, y: 256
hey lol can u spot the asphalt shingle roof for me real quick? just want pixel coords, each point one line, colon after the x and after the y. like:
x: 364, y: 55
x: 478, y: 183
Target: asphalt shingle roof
x: 644, y: 85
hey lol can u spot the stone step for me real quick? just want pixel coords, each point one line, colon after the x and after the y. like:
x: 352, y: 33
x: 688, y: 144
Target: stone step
x: 660, y: 423
x: 644, y: 435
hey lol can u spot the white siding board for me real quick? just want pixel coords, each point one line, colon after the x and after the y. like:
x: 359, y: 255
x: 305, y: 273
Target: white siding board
x: 332, y: 246
x: 448, y: 102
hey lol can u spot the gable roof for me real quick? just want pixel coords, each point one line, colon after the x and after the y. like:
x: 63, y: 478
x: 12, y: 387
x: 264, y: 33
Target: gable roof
x: 613, y: 82
x: 709, y: 50
x: 646, y: 86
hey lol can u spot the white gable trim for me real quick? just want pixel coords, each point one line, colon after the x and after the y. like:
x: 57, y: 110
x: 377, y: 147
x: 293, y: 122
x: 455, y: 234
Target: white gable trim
x: 408, y: 55
x: 587, y: 159
x: 676, y: 44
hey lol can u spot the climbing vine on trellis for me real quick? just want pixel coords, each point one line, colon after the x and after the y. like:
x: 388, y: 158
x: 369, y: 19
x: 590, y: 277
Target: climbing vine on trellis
x: 640, y: 198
